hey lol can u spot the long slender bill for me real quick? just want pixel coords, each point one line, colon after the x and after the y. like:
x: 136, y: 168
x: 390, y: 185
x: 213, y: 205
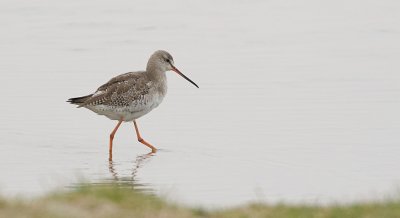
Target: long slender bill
x: 179, y: 72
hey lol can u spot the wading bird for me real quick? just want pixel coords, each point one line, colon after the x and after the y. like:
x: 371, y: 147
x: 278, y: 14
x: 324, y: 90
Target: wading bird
x: 131, y: 95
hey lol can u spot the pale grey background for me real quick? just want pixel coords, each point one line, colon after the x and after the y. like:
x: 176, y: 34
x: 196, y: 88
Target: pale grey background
x: 299, y: 100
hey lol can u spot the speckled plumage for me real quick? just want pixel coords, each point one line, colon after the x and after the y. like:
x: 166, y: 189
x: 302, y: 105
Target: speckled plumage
x: 127, y: 96
x: 131, y: 95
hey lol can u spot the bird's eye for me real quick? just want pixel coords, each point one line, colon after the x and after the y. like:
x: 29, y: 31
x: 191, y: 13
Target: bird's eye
x: 167, y: 60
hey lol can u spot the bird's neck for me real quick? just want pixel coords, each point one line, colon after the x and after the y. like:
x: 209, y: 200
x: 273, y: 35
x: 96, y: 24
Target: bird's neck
x: 158, y: 80
x: 156, y: 75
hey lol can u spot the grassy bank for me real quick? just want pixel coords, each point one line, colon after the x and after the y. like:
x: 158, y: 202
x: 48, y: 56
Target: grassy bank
x: 109, y: 201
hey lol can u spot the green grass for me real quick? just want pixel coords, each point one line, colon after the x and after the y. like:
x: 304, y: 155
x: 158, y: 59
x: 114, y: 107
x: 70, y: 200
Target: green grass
x: 113, y: 201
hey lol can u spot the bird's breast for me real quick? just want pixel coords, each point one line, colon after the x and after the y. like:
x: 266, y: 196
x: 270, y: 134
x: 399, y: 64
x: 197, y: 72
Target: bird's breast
x: 148, y: 101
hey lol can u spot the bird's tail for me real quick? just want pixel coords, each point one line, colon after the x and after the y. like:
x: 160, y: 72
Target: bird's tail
x: 79, y: 100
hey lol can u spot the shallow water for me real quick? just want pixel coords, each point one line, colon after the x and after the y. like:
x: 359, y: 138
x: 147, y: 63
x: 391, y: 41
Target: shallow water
x: 298, y: 102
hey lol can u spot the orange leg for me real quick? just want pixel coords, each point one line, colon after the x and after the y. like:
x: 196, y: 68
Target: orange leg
x: 141, y: 140
x: 111, y: 139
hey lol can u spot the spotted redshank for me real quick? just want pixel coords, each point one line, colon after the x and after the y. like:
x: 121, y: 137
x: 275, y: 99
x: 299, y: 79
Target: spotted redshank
x: 131, y: 95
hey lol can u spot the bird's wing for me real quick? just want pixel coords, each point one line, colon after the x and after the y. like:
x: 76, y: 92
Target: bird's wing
x: 120, y: 90
x: 117, y: 79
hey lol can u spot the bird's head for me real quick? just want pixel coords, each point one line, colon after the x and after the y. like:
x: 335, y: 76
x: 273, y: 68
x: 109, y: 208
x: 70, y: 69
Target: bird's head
x: 163, y: 61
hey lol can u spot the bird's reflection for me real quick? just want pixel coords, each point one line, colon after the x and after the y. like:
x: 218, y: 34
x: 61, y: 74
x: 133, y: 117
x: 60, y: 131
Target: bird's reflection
x: 130, y: 181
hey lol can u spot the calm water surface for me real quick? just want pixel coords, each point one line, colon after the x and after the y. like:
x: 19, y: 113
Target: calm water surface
x: 298, y: 102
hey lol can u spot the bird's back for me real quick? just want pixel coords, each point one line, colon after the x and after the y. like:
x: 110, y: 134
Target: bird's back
x: 120, y: 91
x: 128, y: 95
